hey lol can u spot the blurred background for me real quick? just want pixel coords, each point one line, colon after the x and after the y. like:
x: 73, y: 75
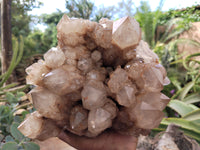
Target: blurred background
x: 170, y: 27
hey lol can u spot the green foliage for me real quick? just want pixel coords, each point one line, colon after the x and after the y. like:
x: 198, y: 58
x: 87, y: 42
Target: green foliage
x: 166, y: 45
x: 192, y: 98
x: 181, y: 107
x: 86, y: 9
x: 21, y: 23
x: 7, y: 111
x: 79, y: 8
x: 168, y: 52
x: 34, y: 44
x: 38, y: 42
x: 184, y: 101
x: 16, y: 58
x: 21, y: 146
x: 193, y: 116
x: 20, y: 18
x: 10, y: 145
x: 148, y: 21
x: 189, y: 114
x: 16, y: 134
x: 52, y: 18
x: 11, y: 137
x: 189, y: 128
x: 49, y: 38
x: 174, y: 27
x: 31, y: 146
x: 190, y: 14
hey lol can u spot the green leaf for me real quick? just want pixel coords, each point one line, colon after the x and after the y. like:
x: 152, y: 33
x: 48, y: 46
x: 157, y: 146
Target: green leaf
x: 15, y: 132
x: 197, y: 121
x: 183, y: 123
x: 192, y: 116
x: 8, y: 128
x: 186, y: 89
x: 10, y: 146
x: 17, y: 119
x: 9, y: 86
x: 176, y: 83
x: 24, y: 113
x: 11, y: 98
x: 1, y: 137
x: 9, y: 139
x: 20, y: 94
x: 190, y: 133
x: 31, y: 146
x: 181, y: 108
x: 193, y: 98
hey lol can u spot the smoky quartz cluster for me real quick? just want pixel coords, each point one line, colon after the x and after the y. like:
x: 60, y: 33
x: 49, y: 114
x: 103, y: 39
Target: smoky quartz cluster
x: 100, y: 76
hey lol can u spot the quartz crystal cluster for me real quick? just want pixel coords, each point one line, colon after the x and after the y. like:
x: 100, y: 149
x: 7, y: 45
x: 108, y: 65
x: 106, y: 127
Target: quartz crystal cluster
x: 100, y: 76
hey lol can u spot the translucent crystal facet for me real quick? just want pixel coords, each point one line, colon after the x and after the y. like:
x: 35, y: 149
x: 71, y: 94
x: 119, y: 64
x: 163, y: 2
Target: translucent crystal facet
x: 93, y: 95
x: 135, y: 70
x: 71, y: 31
x: 54, y: 58
x: 157, y: 100
x: 36, y: 72
x: 95, y: 75
x: 32, y: 126
x: 152, y: 73
x: 103, y: 33
x: 126, y: 33
x: 117, y: 80
x: 46, y: 103
x: 63, y: 80
x: 79, y: 118
x: 99, y: 119
x: 96, y: 56
x: 126, y: 96
x: 143, y: 51
x: 85, y: 64
x: 152, y: 115
x: 35, y: 126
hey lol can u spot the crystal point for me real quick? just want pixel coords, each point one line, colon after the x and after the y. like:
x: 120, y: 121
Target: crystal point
x: 36, y: 72
x: 79, y: 118
x: 93, y: 95
x: 152, y: 116
x: 117, y: 80
x: 46, y: 103
x: 126, y: 33
x: 54, y: 58
x: 98, y: 120
x: 126, y: 96
x: 63, y: 80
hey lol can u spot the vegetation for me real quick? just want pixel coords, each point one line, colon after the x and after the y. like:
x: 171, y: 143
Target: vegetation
x: 184, y: 110
x: 190, y: 14
x: 184, y: 74
x: 148, y: 21
x: 10, y: 120
x: 10, y: 104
